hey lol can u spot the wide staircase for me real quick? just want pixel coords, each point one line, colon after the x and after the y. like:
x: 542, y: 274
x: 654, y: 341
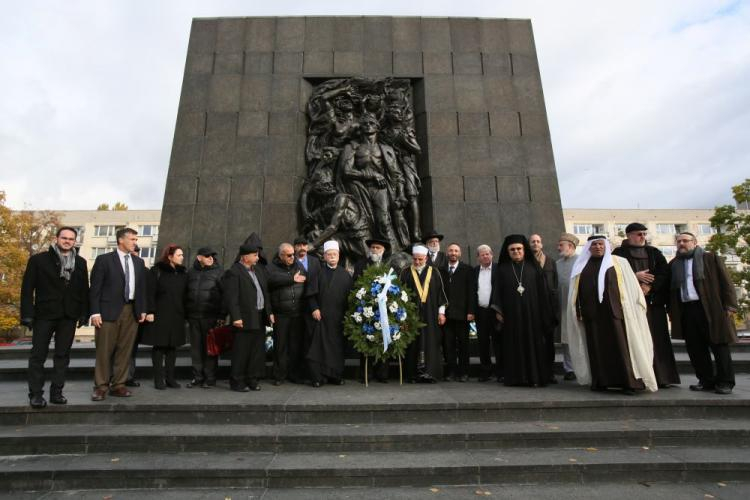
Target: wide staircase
x: 386, y: 440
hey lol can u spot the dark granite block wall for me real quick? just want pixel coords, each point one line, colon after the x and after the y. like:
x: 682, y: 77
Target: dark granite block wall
x: 237, y: 162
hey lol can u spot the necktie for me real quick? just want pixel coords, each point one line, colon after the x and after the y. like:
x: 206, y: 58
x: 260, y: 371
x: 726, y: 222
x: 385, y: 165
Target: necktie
x: 432, y: 256
x: 127, y: 278
x: 453, y: 268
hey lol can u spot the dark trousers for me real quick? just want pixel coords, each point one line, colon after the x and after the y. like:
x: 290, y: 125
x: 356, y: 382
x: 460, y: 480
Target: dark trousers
x: 63, y: 330
x: 204, y: 365
x: 490, y: 341
x: 699, y: 348
x: 164, y: 360
x: 456, y: 346
x: 289, y: 348
x: 248, y: 357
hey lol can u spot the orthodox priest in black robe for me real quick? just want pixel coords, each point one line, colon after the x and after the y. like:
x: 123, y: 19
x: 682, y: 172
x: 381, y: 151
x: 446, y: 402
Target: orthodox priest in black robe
x: 652, y: 271
x: 424, y: 357
x: 522, y: 303
x: 327, y: 293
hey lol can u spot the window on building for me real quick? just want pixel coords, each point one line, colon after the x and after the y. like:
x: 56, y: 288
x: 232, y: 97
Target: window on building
x: 79, y: 233
x: 104, y: 230
x: 669, y: 252
x: 148, y: 252
x: 620, y: 229
x: 148, y: 230
x: 706, y: 229
x: 583, y: 228
x: 666, y: 228
x: 97, y: 251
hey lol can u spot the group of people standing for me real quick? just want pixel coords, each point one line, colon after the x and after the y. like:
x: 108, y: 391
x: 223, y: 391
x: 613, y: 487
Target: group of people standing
x: 608, y: 307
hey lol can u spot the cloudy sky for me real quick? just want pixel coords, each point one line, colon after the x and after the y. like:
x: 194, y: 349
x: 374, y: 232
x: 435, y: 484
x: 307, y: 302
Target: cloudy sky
x: 648, y: 102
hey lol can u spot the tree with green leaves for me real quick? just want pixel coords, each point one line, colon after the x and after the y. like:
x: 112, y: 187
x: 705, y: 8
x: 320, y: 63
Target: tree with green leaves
x: 733, y: 238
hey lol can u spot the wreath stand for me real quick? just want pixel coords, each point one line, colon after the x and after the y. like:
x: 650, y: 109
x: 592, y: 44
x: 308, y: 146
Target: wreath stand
x: 400, y: 372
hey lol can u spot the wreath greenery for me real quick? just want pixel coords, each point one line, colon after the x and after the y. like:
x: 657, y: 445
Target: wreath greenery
x: 362, y: 321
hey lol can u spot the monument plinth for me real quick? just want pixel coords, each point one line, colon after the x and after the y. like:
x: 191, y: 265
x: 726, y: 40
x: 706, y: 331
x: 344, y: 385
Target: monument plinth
x: 456, y: 103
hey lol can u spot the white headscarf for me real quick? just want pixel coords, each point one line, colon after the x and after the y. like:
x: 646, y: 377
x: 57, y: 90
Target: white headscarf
x: 583, y: 259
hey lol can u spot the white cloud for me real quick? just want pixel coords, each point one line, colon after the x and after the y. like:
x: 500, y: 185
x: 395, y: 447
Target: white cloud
x: 648, y: 102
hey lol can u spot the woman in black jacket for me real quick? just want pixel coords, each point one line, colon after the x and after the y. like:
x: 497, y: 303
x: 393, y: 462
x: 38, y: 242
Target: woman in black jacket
x: 166, y: 314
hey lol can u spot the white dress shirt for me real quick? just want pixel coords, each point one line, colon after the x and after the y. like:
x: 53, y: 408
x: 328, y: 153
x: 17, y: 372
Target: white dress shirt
x: 484, y: 290
x: 131, y: 271
x: 692, y: 293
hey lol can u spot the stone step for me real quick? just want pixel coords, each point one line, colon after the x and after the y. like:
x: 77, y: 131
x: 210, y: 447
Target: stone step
x: 624, y: 490
x: 378, y: 404
x: 284, y: 438
x: 367, y: 469
x: 83, y: 367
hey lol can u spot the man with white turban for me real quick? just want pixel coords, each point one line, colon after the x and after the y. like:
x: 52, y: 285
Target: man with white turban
x: 327, y: 294
x: 424, y: 358
x: 610, y: 342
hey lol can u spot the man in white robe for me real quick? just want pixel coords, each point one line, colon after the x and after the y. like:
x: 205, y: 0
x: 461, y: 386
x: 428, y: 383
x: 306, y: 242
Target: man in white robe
x: 608, y: 334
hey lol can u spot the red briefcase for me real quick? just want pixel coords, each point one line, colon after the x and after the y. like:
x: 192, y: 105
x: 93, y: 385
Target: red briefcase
x: 219, y: 340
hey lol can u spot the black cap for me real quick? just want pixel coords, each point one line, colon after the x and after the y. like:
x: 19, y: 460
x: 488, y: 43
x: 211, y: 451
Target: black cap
x: 206, y: 252
x: 300, y: 240
x: 635, y: 226
x: 597, y: 237
x: 248, y: 248
x: 379, y: 241
x: 432, y: 234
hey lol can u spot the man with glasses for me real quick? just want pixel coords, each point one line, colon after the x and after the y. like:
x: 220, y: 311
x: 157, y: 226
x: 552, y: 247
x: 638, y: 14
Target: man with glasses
x: 54, y: 297
x: 652, y: 271
x: 702, y: 306
x: 286, y: 282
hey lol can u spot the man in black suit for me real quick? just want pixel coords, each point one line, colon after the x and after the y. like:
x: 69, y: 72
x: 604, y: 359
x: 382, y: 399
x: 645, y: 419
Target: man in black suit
x: 117, y: 304
x: 487, y: 325
x: 249, y: 304
x: 459, y: 287
x: 54, y: 297
x: 435, y: 257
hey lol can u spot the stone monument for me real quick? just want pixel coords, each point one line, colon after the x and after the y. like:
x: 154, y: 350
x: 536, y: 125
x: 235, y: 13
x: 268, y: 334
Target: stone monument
x: 351, y: 127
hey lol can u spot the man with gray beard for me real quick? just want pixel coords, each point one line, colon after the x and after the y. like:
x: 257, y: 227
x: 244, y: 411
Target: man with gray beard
x: 566, y: 248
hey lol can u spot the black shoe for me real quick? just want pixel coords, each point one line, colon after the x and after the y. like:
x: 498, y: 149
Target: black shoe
x: 58, y: 399
x: 278, y: 382
x: 500, y: 380
x: 552, y: 380
x: 463, y: 378
x: 173, y: 384
x: 448, y: 378
x: 240, y: 388
x: 382, y: 380
x: 132, y: 383
x: 628, y: 392
x: 316, y: 384
x: 723, y: 389
x: 569, y: 376
x: 700, y: 386
x: 37, y: 401
x: 159, y: 384
x: 253, y: 385
x: 483, y: 379
x: 338, y: 381
x: 208, y: 384
x: 196, y: 382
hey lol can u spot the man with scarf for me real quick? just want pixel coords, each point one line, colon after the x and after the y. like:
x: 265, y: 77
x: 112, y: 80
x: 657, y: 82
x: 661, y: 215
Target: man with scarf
x: 54, y: 297
x: 424, y: 358
x: 610, y: 343
x: 652, y: 271
x: 521, y: 301
x: 547, y: 264
x: 702, y: 306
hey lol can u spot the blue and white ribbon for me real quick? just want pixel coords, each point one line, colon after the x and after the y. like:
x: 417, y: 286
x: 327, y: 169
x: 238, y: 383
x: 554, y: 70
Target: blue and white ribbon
x: 383, y: 307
